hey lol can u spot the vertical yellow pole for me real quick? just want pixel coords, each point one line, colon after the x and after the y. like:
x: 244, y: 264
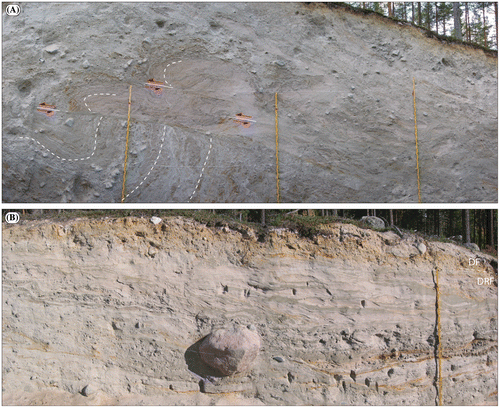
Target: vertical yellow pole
x: 277, y: 157
x: 440, y: 350
x: 416, y: 141
x: 126, y: 143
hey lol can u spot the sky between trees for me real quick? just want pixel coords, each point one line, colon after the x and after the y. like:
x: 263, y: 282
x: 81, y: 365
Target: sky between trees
x: 478, y: 21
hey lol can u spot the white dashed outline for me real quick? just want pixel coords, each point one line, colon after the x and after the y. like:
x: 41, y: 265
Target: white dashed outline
x: 159, y: 152
x: 202, y: 171
x: 62, y: 158
x: 154, y: 164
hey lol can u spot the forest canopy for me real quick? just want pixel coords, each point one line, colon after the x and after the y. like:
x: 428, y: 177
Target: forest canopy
x: 468, y: 22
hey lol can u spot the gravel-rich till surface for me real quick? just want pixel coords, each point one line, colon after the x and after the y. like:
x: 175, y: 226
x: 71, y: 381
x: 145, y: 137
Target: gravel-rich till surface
x: 345, y: 106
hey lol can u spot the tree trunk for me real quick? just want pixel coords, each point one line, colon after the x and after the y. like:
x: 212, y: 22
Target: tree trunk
x: 437, y: 18
x: 491, y: 235
x: 484, y: 25
x: 391, y: 218
x: 467, y: 226
x: 496, y: 21
x: 419, y: 13
x: 450, y: 223
x: 467, y: 29
x: 413, y: 12
x: 263, y: 217
x: 429, y: 8
x: 457, y: 23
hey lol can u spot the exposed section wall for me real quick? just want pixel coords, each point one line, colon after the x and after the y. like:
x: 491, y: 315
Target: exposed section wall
x: 344, y: 84
x: 120, y: 305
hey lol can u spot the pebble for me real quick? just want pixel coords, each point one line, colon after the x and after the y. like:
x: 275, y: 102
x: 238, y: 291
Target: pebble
x: 108, y: 184
x: 279, y: 359
x: 156, y: 220
x: 86, y: 64
x: 52, y: 49
x: 147, y: 40
x: 421, y: 248
x: 395, y: 53
x: 129, y: 62
x: 350, y: 95
x: 426, y: 114
x: 42, y: 184
x: 280, y: 63
x: 87, y: 390
x: 70, y: 122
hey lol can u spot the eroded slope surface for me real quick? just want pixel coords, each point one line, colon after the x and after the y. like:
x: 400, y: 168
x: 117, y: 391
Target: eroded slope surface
x: 344, y: 84
x: 119, y: 306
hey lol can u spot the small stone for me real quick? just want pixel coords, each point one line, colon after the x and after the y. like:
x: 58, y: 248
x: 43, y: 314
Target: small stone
x: 280, y: 63
x: 327, y: 112
x: 279, y: 359
x: 129, y: 62
x: 472, y: 246
x: 52, y: 49
x: 108, y: 185
x: 70, y: 122
x: 395, y: 53
x: 156, y: 220
x: 172, y: 32
x: 230, y: 350
x: 42, y: 184
x: 373, y: 222
x: 86, y: 64
x: 421, y: 248
x: 350, y: 95
x: 353, y: 88
x: 87, y: 390
x: 425, y: 114
x: 147, y: 40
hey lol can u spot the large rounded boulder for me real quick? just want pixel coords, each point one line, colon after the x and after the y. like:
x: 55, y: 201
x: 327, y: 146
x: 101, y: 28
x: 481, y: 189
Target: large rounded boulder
x: 230, y: 350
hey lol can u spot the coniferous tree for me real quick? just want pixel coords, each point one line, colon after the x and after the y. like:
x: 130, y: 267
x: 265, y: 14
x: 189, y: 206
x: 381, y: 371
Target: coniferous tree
x: 457, y: 23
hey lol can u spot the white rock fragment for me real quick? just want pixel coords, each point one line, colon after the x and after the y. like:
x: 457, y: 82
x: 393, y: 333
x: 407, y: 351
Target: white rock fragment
x: 156, y: 220
x: 421, y: 248
x: 52, y: 49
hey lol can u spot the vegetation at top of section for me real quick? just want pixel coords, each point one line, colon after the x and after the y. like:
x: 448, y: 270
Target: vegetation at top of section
x: 464, y: 23
x: 457, y: 226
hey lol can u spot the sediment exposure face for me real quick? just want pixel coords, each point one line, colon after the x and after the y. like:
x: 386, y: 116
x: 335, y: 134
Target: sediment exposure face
x: 121, y: 306
x: 344, y: 92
